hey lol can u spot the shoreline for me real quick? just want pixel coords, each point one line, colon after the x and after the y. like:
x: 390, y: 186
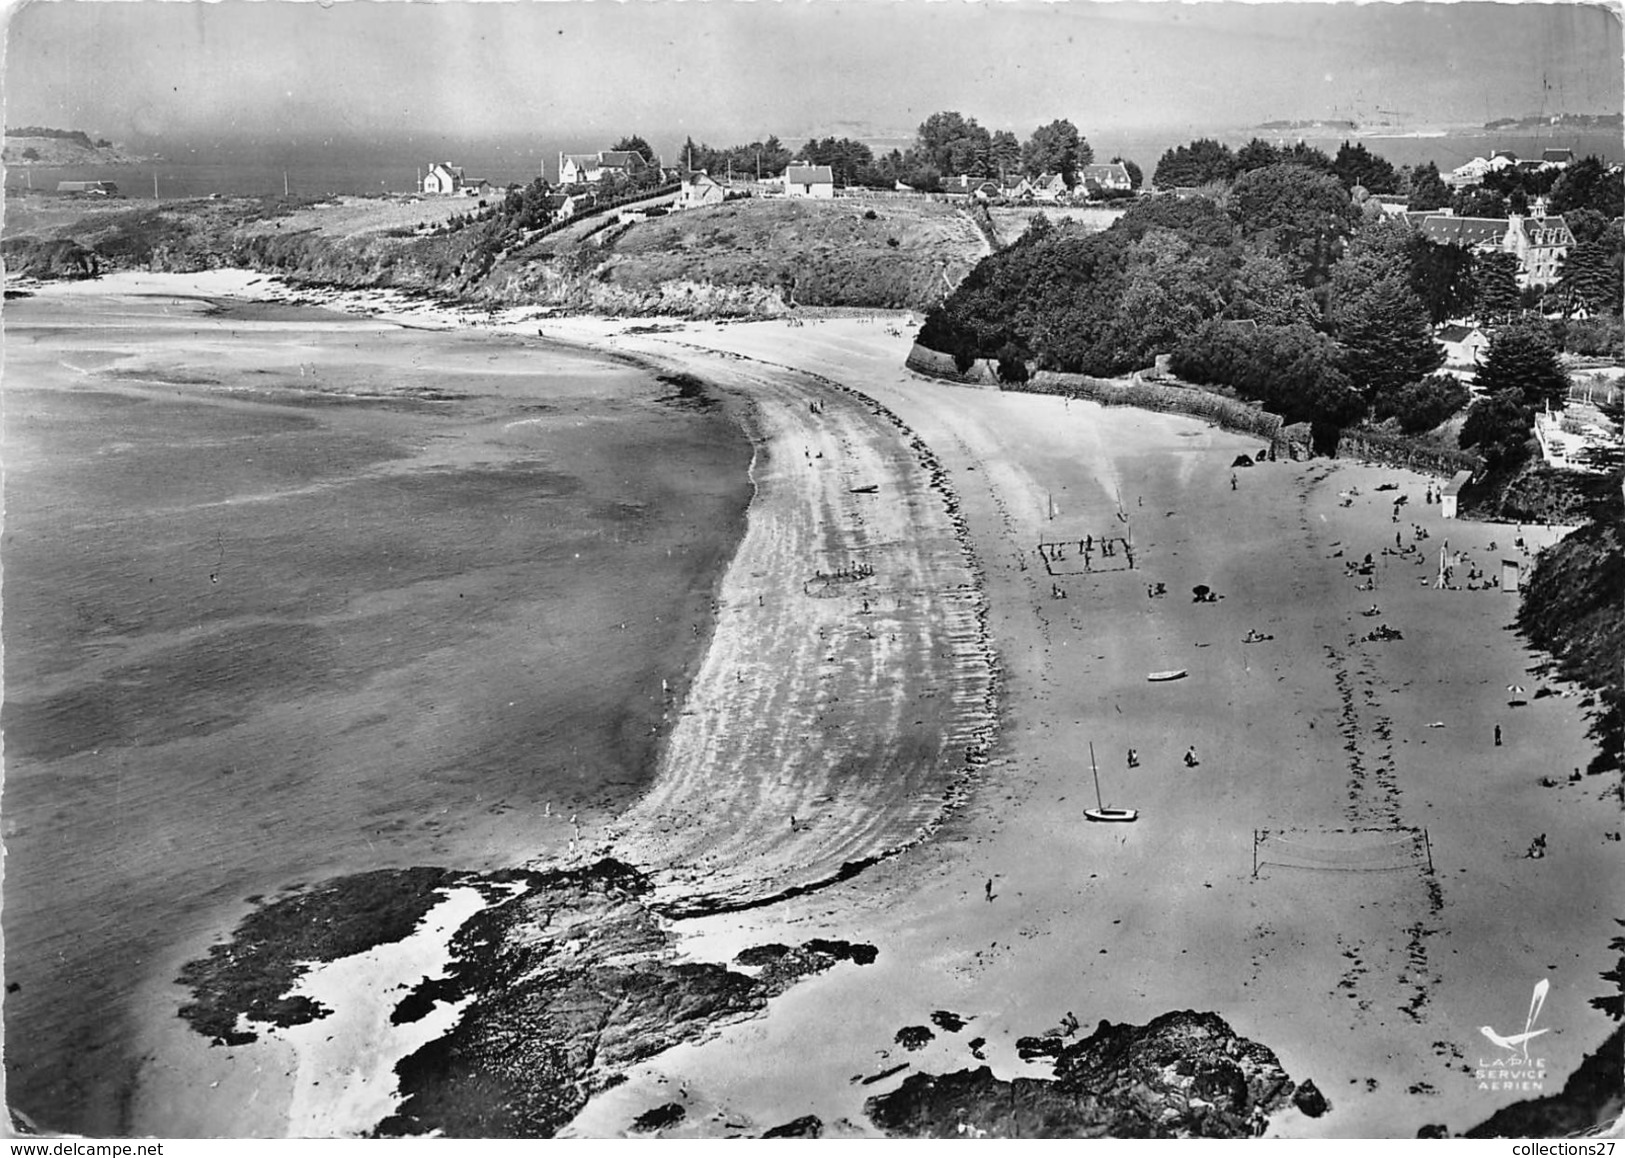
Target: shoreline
x: 1070, y: 900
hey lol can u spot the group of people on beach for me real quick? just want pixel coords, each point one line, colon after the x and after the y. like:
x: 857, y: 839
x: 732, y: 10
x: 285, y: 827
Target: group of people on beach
x: 1190, y: 757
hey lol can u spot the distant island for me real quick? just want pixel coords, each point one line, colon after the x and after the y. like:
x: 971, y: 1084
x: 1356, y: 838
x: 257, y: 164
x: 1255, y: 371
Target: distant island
x: 1280, y: 126
x: 1565, y: 120
x: 34, y: 145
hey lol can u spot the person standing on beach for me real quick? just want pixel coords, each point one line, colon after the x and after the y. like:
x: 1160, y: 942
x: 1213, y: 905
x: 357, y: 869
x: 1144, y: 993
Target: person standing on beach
x: 988, y: 888
x: 1498, y: 735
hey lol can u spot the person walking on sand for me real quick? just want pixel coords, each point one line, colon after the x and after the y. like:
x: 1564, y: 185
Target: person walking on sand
x: 1133, y: 758
x: 988, y: 889
x: 1498, y: 735
x: 1232, y: 480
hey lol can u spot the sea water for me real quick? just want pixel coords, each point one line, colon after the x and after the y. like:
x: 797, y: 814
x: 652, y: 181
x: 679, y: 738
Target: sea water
x: 290, y: 595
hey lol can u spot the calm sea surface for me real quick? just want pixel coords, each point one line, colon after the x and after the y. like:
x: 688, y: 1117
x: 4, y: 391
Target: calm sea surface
x: 312, y: 172
x: 289, y: 595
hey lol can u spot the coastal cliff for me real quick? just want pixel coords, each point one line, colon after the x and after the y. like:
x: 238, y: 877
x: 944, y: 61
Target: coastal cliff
x: 750, y: 258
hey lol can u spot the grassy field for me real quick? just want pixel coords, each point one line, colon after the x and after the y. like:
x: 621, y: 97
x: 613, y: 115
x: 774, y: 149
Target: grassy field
x: 1010, y: 222
x: 893, y: 253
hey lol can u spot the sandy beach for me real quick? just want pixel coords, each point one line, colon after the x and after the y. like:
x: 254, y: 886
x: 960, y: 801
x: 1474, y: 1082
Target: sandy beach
x: 857, y: 636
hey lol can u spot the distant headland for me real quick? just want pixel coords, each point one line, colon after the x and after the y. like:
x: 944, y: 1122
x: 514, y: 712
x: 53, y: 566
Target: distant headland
x: 34, y: 145
x: 1563, y: 120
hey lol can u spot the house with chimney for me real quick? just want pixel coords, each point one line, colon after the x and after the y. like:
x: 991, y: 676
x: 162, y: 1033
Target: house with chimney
x: 443, y: 179
x: 1538, y: 241
x: 1098, y: 179
x: 591, y: 168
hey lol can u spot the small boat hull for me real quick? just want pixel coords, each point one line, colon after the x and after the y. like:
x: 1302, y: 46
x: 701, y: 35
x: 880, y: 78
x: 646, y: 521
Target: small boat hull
x: 1159, y: 677
x: 1111, y: 815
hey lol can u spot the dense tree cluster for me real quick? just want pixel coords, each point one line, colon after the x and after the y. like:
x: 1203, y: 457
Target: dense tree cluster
x: 1274, y: 285
x: 766, y: 159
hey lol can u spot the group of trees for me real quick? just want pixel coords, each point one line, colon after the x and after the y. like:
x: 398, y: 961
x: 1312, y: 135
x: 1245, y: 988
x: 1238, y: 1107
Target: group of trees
x: 947, y: 144
x: 1278, y: 288
x: 1206, y: 162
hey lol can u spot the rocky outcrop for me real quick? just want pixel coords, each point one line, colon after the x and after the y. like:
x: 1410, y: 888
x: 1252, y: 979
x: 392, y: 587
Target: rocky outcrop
x: 1183, y: 1075
x: 569, y: 983
x: 60, y: 259
x: 807, y: 1126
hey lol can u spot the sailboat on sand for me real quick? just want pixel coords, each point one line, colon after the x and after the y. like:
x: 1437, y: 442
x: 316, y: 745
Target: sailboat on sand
x: 1101, y: 812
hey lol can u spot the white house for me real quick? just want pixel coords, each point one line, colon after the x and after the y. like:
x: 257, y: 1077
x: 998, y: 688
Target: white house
x: 815, y: 181
x: 700, y: 190
x: 443, y: 179
x: 1049, y: 187
x: 1463, y: 345
x: 1113, y: 178
x: 590, y: 168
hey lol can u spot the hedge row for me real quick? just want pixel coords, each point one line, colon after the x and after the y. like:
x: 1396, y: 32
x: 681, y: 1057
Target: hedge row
x: 1394, y: 450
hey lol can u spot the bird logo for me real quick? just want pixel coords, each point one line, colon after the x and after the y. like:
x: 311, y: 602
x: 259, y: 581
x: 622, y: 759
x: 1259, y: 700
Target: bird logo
x: 1518, y: 1043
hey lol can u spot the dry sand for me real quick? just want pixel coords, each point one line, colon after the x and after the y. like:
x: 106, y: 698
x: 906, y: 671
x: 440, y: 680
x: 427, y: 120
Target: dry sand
x: 1374, y: 984
x: 1371, y: 983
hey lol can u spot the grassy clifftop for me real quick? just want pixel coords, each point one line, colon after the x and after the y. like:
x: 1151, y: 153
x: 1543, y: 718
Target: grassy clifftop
x: 740, y: 258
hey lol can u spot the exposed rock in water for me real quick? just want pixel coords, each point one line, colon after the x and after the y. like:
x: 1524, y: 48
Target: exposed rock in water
x: 660, y: 1117
x: 570, y: 983
x: 1594, y: 1094
x: 913, y: 1037
x: 1310, y: 1100
x: 808, y: 1126
x: 274, y: 946
x: 1185, y: 1074
x: 950, y: 1022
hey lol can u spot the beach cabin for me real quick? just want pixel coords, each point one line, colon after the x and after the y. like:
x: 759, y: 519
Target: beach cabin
x: 1511, y: 574
x: 1451, y: 495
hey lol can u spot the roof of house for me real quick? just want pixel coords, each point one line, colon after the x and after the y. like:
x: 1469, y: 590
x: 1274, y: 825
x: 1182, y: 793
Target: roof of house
x: 1527, y: 226
x: 622, y: 159
x: 1105, y: 173
x: 809, y: 175
x: 703, y: 179
x: 454, y: 170
x: 1458, y: 333
x: 1557, y: 155
x: 1466, y: 231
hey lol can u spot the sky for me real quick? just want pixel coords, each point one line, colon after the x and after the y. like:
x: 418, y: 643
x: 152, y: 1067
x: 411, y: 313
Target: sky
x: 732, y: 71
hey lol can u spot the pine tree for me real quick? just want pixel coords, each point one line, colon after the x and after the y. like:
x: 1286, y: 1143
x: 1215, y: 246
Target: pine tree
x: 1522, y: 358
x: 1385, y: 338
x: 1495, y: 285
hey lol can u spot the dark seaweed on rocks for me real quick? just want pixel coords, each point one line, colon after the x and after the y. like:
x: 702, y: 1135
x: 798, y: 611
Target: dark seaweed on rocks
x: 807, y: 1126
x: 660, y: 1117
x: 691, y: 392
x: 912, y: 1037
x: 1185, y: 1074
x: 569, y: 983
x: 781, y: 965
x: 945, y: 1020
x: 269, y: 951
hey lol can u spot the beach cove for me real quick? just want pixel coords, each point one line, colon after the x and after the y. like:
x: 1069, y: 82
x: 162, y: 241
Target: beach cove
x: 1373, y: 984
